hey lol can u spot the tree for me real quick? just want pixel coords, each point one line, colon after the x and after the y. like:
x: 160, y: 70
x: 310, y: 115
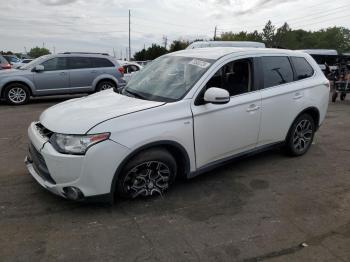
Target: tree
x: 178, y: 45
x: 268, y: 34
x: 281, y: 38
x: 38, y: 51
x: 151, y: 53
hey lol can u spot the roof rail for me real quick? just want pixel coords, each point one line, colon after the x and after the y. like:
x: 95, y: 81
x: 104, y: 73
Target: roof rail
x: 82, y: 53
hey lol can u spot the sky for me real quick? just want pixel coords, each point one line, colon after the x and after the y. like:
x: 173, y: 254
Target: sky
x: 102, y: 25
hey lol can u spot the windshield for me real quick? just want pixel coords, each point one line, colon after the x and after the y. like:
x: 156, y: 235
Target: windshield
x: 167, y: 78
x: 33, y: 63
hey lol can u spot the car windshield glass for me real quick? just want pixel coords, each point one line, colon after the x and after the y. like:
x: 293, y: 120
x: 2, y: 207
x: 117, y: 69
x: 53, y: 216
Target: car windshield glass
x: 168, y: 78
x: 33, y: 63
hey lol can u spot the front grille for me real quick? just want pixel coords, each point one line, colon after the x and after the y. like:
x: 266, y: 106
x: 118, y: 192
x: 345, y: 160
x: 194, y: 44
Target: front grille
x: 43, y: 130
x: 39, y: 164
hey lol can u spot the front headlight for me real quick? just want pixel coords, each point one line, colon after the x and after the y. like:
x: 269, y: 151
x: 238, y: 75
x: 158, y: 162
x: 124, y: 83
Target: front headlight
x: 76, y: 144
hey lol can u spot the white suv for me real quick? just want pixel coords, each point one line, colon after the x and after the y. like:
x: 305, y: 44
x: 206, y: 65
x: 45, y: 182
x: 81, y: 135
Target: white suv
x: 184, y: 114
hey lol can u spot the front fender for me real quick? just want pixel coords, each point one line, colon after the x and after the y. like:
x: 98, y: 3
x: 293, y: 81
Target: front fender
x: 18, y: 79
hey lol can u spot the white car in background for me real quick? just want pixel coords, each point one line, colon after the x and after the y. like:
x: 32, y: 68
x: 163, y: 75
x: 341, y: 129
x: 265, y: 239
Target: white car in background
x: 182, y: 115
x: 130, y: 68
x: 22, y: 63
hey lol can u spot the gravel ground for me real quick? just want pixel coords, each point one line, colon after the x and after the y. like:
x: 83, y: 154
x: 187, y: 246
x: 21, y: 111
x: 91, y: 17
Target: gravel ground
x: 260, y: 208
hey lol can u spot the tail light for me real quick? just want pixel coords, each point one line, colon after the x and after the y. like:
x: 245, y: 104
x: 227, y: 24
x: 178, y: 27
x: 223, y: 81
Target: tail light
x: 6, y: 66
x: 121, y: 70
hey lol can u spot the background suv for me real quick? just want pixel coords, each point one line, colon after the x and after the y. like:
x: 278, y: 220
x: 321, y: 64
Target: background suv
x: 181, y: 115
x: 65, y: 73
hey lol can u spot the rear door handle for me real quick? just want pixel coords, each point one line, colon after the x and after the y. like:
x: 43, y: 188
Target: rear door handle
x: 63, y: 73
x: 253, y: 107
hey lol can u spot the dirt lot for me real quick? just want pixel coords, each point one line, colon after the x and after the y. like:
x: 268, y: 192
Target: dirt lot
x: 259, y: 208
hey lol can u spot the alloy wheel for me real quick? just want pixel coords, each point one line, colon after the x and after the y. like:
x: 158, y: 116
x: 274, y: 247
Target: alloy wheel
x: 106, y: 86
x: 17, y: 95
x: 302, y: 135
x: 147, y: 179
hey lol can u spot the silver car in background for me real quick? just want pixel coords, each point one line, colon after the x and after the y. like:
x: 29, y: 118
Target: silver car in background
x: 66, y: 73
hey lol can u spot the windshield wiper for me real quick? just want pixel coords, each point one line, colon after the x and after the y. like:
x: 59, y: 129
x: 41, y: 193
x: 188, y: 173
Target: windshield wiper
x: 137, y: 95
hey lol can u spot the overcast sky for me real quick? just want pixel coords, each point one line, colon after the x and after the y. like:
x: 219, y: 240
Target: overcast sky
x: 101, y: 25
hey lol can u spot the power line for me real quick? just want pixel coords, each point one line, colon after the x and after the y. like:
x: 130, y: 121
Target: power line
x: 291, y: 19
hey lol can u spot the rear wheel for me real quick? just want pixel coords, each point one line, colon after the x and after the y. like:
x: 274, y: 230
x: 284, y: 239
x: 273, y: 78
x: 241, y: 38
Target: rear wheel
x: 17, y: 94
x: 149, y: 173
x: 301, y: 135
x: 334, y: 96
x: 342, y: 96
x: 104, y: 85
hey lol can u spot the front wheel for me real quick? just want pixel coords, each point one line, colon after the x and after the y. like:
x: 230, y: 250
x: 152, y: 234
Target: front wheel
x: 17, y: 94
x: 149, y: 173
x: 301, y: 135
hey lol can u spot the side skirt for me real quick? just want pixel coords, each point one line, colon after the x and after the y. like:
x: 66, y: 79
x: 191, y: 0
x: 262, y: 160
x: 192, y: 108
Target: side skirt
x: 221, y: 162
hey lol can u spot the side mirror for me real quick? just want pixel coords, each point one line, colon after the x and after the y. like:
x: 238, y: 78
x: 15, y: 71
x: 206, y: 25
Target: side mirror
x: 216, y: 95
x: 39, y: 68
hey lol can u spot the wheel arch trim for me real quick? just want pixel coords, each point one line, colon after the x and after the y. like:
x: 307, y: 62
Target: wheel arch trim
x: 163, y: 143
x: 311, y: 108
x: 104, y: 77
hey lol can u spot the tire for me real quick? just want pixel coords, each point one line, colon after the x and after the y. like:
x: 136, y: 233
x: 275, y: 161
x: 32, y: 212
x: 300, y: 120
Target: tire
x: 149, y: 173
x: 342, y: 96
x: 16, y: 94
x: 105, y: 84
x: 300, y: 135
x: 334, y: 97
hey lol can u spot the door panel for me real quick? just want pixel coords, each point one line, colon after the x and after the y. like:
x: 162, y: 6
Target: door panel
x: 281, y: 102
x: 224, y: 130
x: 54, y: 79
x: 81, y: 74
x: 221, y: 131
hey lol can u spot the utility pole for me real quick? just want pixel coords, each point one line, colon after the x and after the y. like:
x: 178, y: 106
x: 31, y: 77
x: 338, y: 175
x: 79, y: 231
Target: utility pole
x: 129, y: 35
x: 215, y: 32
x: 54, y: 50
x: 165, y: 41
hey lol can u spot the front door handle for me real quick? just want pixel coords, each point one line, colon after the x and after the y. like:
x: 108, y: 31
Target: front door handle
x: 253, y: 107
x: 63, y: 73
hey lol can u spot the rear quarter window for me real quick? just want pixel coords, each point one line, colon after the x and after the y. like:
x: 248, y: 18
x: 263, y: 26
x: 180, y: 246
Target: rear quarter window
x: 277, y: 70
x: 101, y: 62
x: 302, y: 68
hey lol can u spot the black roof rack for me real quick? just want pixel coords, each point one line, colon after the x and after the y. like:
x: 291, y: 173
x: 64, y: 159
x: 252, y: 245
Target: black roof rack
x: 82, y: 53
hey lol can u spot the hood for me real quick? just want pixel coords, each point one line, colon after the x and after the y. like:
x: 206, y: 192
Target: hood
x: 78, y: 116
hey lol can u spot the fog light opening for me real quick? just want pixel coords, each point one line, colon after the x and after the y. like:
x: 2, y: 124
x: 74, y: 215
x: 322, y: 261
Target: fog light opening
x: 73, y: 193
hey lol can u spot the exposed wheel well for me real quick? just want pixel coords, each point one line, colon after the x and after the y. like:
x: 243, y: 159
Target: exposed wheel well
x: 106, y: 79
x: 175, y: 149
x: 15, y: 82
x: 313, y: 112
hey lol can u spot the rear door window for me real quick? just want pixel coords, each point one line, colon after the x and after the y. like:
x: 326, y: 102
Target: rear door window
x: 101, y: 62
x: 79, y: 62
x: 302, y: 68
x: 277, y: 70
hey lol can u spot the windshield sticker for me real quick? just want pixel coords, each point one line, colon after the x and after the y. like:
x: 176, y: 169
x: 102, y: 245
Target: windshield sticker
x: 199, y: 63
